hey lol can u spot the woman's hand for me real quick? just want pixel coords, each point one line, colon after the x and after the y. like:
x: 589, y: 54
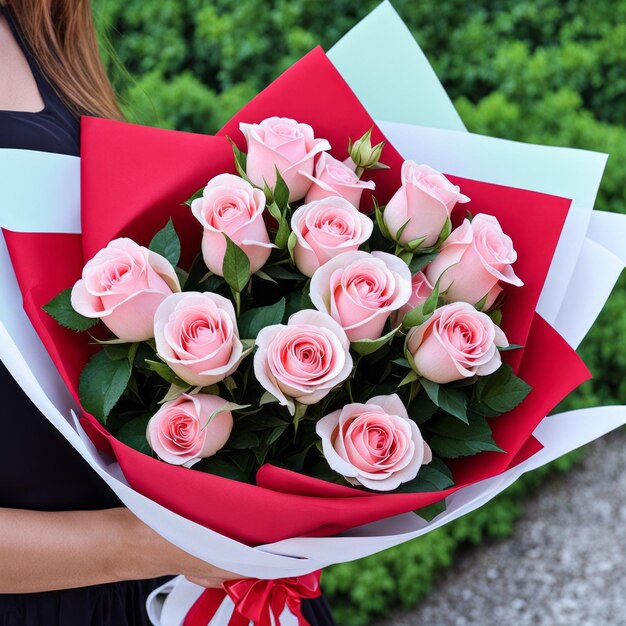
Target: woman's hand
x: 153, y: 556
x: 82, y: 548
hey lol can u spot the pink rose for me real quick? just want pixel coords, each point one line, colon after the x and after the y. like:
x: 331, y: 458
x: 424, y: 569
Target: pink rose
x: 303, y: 360
x: 361, y: 290
x: 123, y: 285
x: 282, y: 142
x: 474, y: 260
x: 425, y: 201
x: 456, y: 342
x: 336, y: 178
x: 190, y: 428
x: 374, y: 444
x: 420, y: 291
x: 326, y: 228
x: 233, y: 206
x: 196, y: 335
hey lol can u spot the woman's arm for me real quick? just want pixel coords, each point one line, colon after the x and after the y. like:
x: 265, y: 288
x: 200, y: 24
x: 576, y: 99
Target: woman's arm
x: 42, y: 551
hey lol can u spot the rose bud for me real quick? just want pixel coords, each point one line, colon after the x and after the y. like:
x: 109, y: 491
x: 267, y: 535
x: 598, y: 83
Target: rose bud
x: 326, y: 228
x: 190, y: 428
x: 196, y: 335
x: 474, y: 260
x: 283, y: 143
x: 303, y: 360
x: 420, y: 290
x: 374, y: 444
x: 361, y: 290
x: 123, y: 285
x: 335, y: 178
x: 457, y: 342
x: 423, y: 203
x: 363, y: 154
x: 232, y: 206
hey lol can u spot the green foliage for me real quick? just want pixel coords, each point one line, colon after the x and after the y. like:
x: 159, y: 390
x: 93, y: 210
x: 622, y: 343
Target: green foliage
x: 102, y: 382
x: 60, y: 308
x: 166, y: 243
x: 528, y: 70
x: 253, y: 321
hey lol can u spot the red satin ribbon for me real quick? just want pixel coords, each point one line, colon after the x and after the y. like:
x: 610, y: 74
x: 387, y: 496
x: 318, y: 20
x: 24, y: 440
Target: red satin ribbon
x: 256, y: 600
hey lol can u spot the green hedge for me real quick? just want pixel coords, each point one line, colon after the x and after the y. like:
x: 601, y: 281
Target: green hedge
x: 534, y: 70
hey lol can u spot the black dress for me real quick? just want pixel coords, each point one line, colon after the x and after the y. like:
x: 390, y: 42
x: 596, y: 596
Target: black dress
x: 50, y: 475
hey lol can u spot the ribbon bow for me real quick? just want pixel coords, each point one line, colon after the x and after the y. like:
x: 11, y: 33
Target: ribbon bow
x: 256, y: 600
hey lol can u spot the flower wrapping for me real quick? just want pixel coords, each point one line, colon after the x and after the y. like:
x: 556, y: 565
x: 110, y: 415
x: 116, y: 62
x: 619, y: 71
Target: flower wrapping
x: 119, y: 161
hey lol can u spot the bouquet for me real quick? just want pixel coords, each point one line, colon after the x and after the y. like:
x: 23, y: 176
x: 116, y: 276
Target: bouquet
x: 313, y: 337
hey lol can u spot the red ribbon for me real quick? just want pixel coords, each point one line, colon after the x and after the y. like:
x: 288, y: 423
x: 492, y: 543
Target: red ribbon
x: 256, y: 600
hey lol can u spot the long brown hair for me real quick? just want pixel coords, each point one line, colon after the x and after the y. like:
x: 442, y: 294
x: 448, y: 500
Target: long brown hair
x: 62, y: 37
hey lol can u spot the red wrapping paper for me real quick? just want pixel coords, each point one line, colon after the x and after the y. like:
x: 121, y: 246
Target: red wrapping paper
x: 133, y: 178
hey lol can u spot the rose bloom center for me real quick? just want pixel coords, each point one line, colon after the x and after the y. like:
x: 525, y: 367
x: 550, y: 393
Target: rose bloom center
x: 375, y: 441
x: 433, y: 185
x: 117, y: 273
x: 465, y: 337
x: 342, y: 174
x: 333, y: 224
x: 368, y: 287
x: 182, y: 430
x: 229, y: 209
x: 492, y: 244
x: 306, y: 357
x: 198, y: 331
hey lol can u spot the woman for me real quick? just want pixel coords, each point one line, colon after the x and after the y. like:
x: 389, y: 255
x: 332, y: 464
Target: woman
x: 71, y: 554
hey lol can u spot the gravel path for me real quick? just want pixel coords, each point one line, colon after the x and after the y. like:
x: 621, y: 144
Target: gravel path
x: 565, y: 564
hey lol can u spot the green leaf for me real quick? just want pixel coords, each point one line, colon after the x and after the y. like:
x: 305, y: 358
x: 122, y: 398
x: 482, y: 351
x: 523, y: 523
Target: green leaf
x: 291, y: 245
x: 400, y: 230
x: 251, y: 322
x: 451, y: 438
x: 263, y: 276
x: 275, y: 434
x: 281, y: 191
x: 380, y: 220
x: 241, y: 159
x: 480, y: 305
x: 122, y: 351
x: 414, y: 244
x: 60, y: 308
x: 511, y: 346
x: 409, y: 378
x: 164, y: 371
x: 182, y: 275
x: 422, y: 409
x: 274, y: 210
x: 420, y: 261
x: 452, y: 401
x: 499, y: 392
x: 432, y: 477
x: 496, y: 316
x: 402, y: 362
x: 243, y: 440
x: 280, y: 272
x: 418, y: 315
x: 102, y: 383
x: 166, y: 243
x: 222, y: 465
x: 264, y: 421
x: 431, y: 511
x: 133, y: 434
x: 236, y: 266
x: 368, y: 346
x: 197, y: 194
x: 280, y: 215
